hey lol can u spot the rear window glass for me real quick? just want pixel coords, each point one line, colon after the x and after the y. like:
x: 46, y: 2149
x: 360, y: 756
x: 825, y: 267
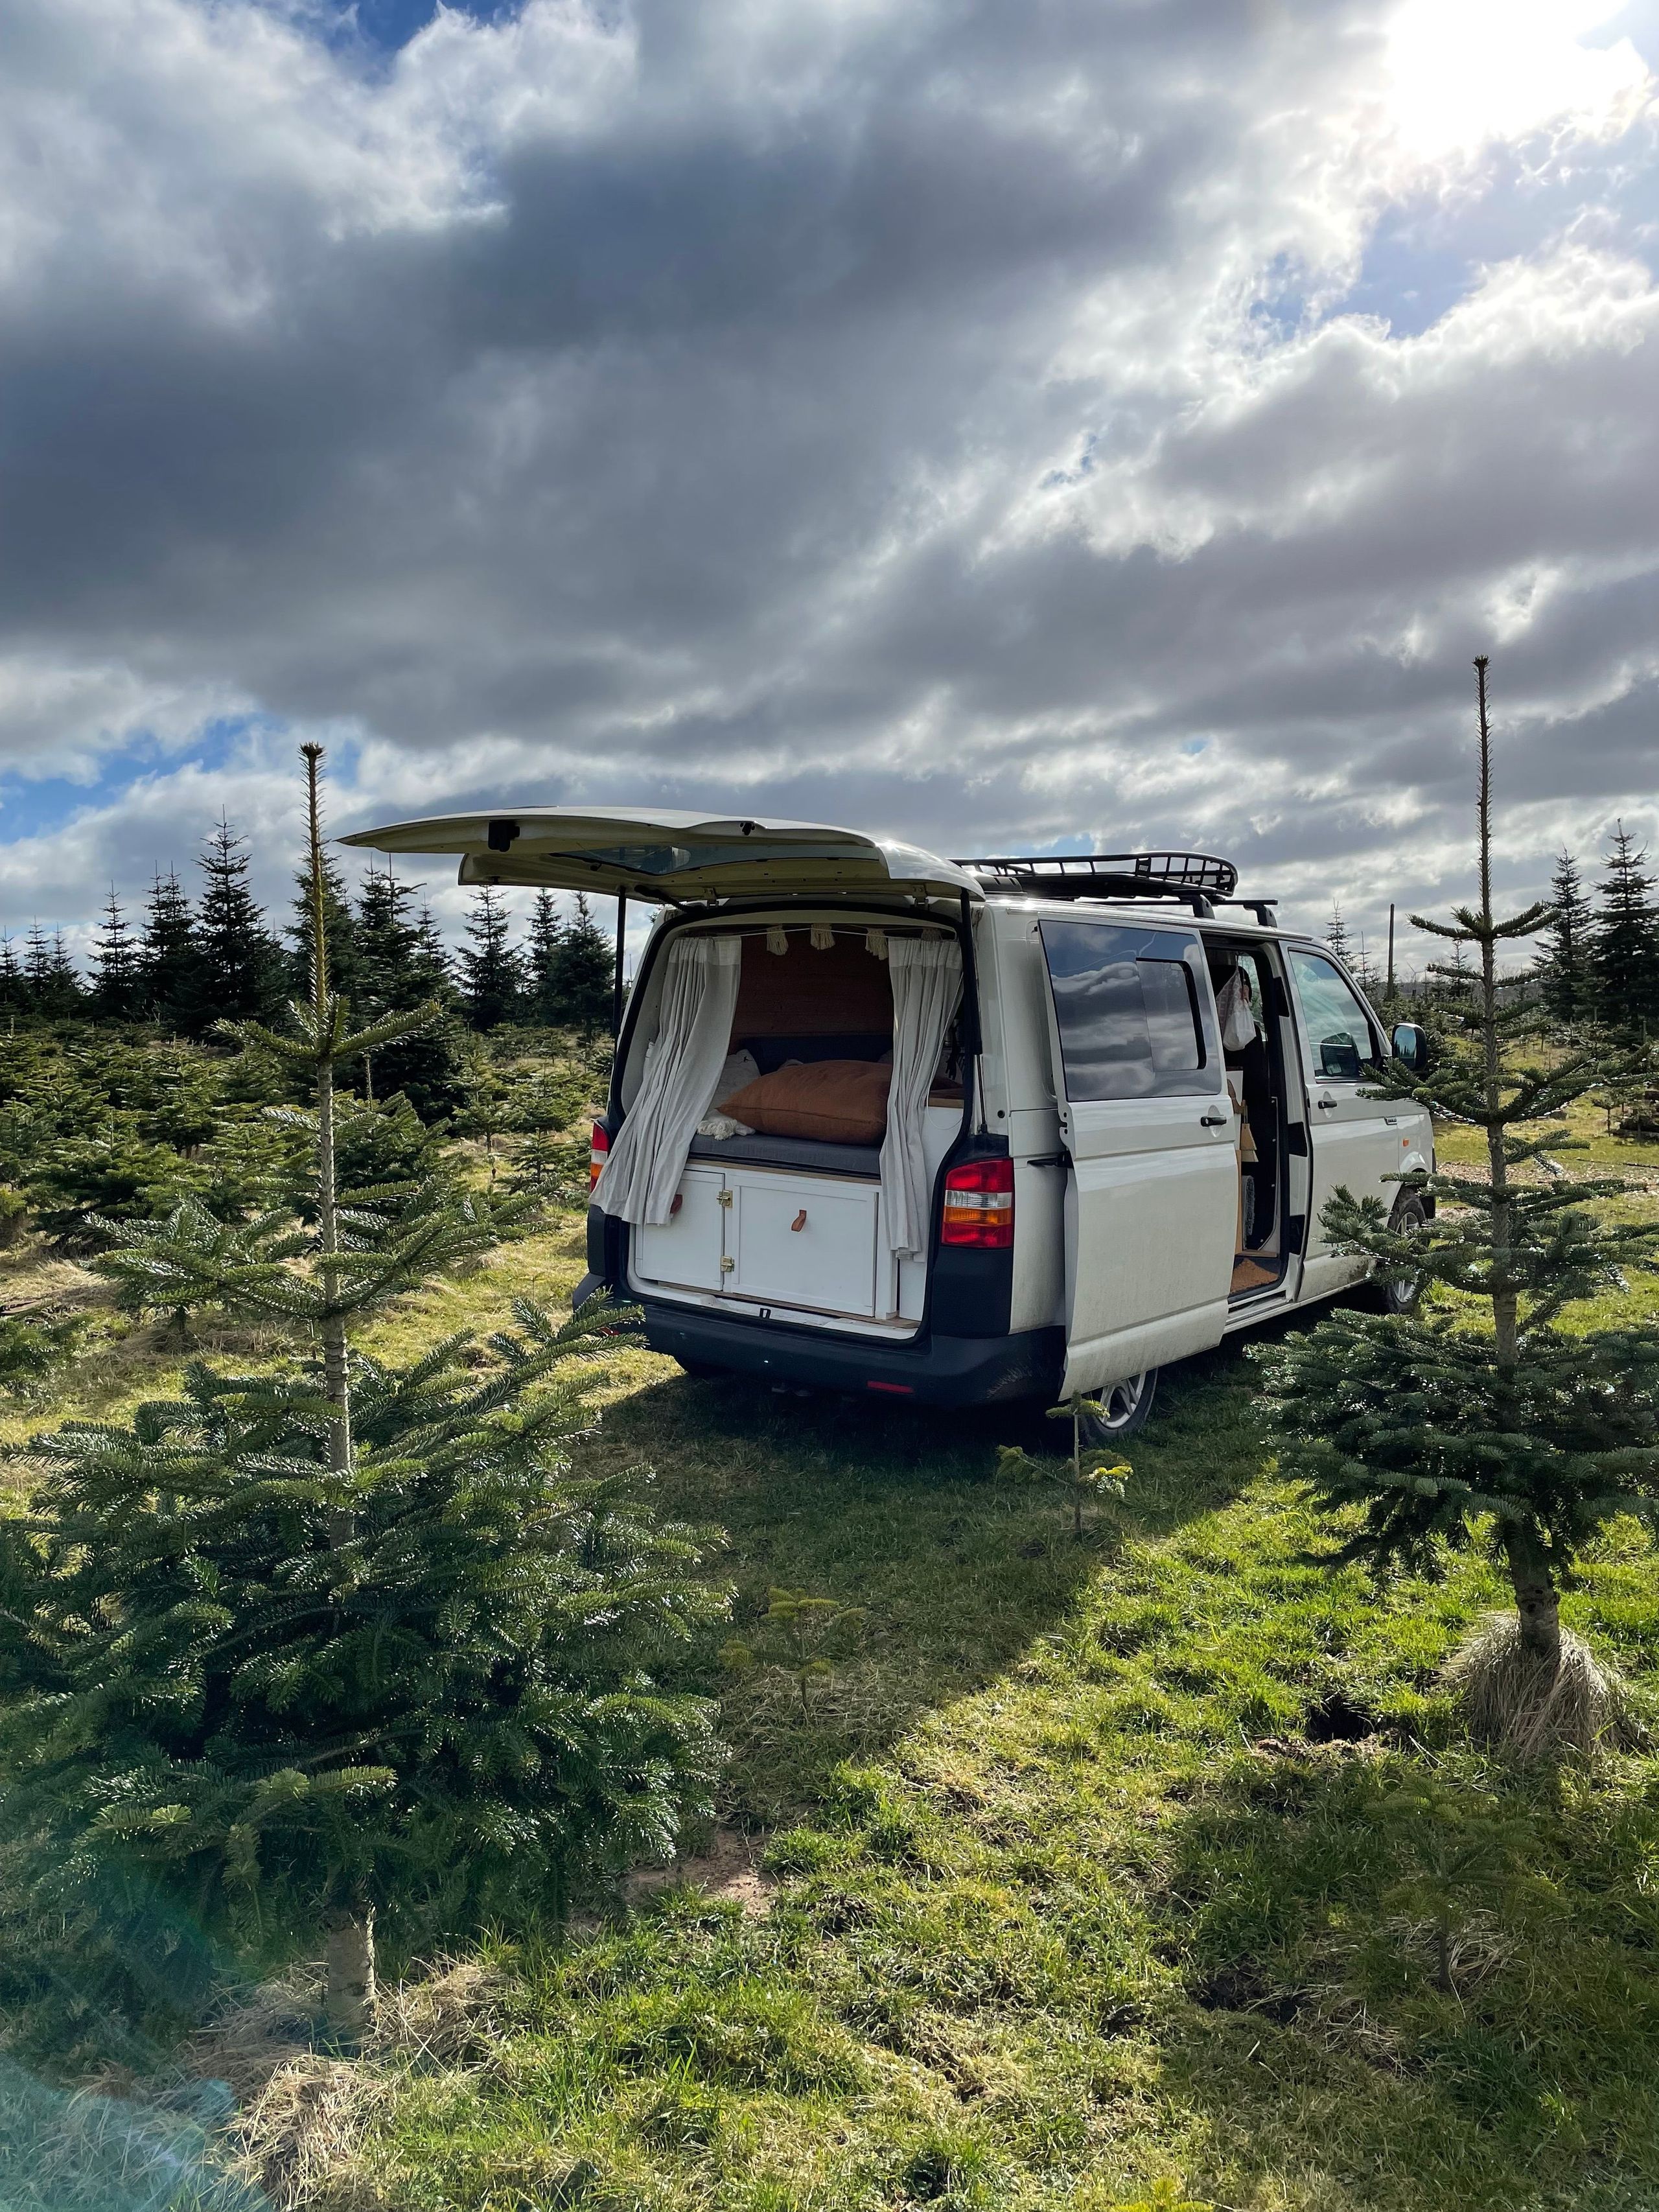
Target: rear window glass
x: 1132, y: 1009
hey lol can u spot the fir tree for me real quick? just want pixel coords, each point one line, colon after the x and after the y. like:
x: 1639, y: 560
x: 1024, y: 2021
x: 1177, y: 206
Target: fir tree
x: 435, y: 952
x: 585, y: 973
x: 297, y: 1653
x: 401, y: 966
x: 63, y: 979
x: 1363, y: 973
x: 13, y: 987
x: 1337, y: 935
x: 343, y: 949
x: 116, y: 979
x: 83, y: 1185
x: 242, y: 967
x: 51, y: 986
x: 546, y: 943
x: 1564, y: 966
x: 492, y: 966
x: 1624, y: 949
x: 170, y: 964
x: 1486, y: 1422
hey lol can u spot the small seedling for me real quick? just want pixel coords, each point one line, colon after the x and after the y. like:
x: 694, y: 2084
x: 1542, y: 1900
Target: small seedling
x: 1107, y: 1485
x: 800, y: 1626
x: 1466, y: 1855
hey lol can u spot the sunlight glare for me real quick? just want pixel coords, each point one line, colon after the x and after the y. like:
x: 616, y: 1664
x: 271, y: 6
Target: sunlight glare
x: 1465, y: 72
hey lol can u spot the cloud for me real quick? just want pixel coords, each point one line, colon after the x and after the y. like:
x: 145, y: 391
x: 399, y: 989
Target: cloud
x: 952, y: 420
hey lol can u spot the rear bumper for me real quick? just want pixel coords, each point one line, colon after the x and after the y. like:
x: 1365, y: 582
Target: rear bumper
x: 942, y: 1370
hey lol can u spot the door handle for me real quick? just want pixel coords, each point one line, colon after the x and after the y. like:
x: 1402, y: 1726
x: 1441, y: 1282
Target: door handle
x: 1211, y: 1121
x: 1325, y: 1105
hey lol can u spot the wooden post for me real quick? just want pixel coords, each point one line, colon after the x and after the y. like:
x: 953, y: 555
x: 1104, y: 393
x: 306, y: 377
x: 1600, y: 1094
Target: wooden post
x: 1388, y: 994
x: 617, y: 987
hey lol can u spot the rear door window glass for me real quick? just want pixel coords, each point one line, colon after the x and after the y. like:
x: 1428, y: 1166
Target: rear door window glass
x: 1132, y: 1007
x: 1342, y: 1045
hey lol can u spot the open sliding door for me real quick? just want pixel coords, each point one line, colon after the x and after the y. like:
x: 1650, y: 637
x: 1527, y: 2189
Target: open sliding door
x: 1151, y: 1206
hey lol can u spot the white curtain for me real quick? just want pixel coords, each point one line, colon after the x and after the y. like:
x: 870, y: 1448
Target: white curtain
x: 926, y: 977
x: 682, y: 1066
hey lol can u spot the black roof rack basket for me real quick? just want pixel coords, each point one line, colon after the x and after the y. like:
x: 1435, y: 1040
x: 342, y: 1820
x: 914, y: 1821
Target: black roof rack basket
x: 1195, y: 878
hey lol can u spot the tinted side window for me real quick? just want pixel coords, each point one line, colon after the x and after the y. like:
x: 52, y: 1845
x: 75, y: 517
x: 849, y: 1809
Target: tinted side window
x: 1132, y: 1010
x: 1341, y: 1043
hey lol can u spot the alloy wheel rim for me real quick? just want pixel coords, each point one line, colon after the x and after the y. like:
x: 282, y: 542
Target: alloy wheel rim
x: 1121, y: 1402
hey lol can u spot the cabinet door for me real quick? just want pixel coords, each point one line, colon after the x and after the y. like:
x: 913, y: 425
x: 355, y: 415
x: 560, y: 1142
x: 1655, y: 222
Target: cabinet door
x: 686, y: 1249
x: 803, y: 1243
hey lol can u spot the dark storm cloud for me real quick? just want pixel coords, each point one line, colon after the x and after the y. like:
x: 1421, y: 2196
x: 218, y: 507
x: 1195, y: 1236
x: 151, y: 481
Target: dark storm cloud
x: 859, y: 409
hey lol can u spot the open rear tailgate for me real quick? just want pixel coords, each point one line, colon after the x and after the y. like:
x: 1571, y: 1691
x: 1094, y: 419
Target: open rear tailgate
x: 668, y: 857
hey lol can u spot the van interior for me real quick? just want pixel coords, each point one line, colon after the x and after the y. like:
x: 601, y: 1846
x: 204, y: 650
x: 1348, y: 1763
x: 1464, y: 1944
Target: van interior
x: 819, y: 996
x: 1255, y: 1076
x: 781, y: 1203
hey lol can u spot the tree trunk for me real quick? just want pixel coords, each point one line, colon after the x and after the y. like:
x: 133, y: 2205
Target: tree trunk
x: 350, y: 1998
x: 1538, y: 1606
x: 336, y: 1373
x: 1505, y: 1305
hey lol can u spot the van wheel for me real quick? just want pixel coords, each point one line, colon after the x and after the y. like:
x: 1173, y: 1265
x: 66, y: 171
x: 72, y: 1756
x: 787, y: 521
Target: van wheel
x: 1401, y: 1294
x: 1127, y: 1406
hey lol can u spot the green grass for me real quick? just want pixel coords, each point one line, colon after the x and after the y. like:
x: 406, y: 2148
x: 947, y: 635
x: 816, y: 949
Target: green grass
x: 1090, y: 1867
x: 1596, y: 1149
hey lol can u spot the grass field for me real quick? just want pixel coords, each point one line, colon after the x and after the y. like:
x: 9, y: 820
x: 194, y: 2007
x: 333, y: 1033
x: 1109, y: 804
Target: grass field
x: 1097, y: 1874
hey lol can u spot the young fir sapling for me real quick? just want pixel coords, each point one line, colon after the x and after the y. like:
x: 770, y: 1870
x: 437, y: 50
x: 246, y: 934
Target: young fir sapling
x: 1485, y: 1421
x: 296, y: 1652
x: 1105, y: 1484
x: 797, y: 1629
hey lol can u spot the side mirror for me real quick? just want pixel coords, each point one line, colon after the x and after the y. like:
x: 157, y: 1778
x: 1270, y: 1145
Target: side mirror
x: 1410, y: 1047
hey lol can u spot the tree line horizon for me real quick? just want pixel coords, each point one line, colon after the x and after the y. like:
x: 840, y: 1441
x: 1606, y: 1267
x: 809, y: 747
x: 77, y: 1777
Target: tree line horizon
x: 191, y: 963
x: 1598, y: 959
x: 188, y: 964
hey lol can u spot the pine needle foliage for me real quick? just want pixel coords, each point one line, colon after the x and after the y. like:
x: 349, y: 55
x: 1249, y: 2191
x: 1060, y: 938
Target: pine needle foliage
x: 1484, y: 1420
x: 303, y: 1651
x: 280, y: 1692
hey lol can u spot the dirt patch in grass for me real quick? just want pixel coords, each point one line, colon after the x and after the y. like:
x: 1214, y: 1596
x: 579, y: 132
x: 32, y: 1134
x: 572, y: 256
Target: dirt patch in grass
x: 728, y: 1871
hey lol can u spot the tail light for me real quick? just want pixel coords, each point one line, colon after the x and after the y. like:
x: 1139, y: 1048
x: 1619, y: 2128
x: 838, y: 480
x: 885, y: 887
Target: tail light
x: 595, y: 1154
x: 979, y: 1205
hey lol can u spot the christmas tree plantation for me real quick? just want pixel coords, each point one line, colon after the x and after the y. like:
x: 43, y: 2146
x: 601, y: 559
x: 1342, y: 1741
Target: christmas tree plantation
x: 290, y: 1653
x: 1485, y: 1420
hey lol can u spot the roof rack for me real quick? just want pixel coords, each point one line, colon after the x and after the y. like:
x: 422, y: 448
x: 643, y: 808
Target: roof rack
x: 1262, y: 909
x: 1195, y: 878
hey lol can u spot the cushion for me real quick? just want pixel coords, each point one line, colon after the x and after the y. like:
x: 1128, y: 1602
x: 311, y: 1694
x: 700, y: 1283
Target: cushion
x: 839, y: 1102
x: 740, y: 1067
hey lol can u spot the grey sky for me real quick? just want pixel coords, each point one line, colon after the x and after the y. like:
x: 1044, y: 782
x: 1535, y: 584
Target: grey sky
x: 1000, y: 426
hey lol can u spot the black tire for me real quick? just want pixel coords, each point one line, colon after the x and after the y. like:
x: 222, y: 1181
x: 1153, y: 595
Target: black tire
x: 1401, y: 1295
x: 1128, y: 1407
x: 700, y: 1370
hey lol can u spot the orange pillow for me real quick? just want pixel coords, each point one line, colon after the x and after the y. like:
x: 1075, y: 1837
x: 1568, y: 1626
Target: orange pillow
x: 839, y: 1102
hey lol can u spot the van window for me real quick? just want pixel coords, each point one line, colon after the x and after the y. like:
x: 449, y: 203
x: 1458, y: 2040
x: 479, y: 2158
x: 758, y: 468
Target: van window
x: 1132, y: 1007
x: 1342, y: 1045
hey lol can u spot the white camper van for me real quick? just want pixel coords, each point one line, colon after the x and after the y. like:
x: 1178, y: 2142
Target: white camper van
x: 958, y: 1131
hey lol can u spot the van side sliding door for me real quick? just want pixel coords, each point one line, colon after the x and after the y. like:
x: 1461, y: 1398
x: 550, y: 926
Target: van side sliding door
x: 1152, y: 1201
